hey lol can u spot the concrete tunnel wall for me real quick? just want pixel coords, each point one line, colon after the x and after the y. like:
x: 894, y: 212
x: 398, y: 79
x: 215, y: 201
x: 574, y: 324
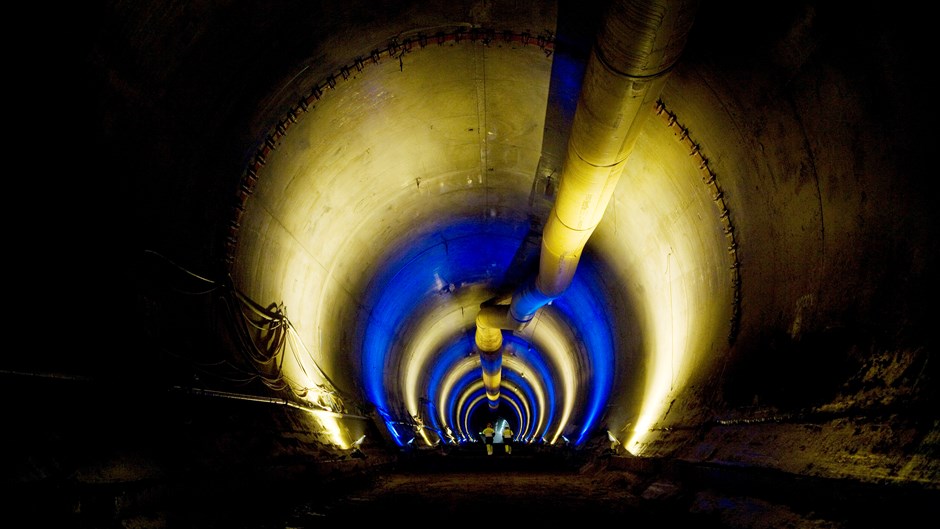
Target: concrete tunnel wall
x: 737, y: 168
x: 799, y: 127
x: 473, y: 150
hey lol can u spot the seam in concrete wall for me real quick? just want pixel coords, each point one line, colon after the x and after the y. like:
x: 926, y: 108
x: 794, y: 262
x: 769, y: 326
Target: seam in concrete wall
x: 710, y: 179
x: 394, y: 49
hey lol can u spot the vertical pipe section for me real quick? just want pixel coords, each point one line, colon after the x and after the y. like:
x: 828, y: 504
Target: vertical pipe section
x: 636, y: 48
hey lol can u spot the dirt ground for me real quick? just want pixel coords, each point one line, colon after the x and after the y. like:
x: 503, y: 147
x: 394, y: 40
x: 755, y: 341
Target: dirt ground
x: 467, y: 487
x: 473, y: 488
x: 485, y: 493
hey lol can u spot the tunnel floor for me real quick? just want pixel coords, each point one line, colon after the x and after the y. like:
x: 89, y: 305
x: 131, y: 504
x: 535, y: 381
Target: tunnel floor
x: 184, y: 463
x: 465, y: 485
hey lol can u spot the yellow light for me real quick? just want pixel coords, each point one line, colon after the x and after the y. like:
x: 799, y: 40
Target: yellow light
x: 515, y: 363
x: 470, y: 363
x: 550, y: 334
x: 681, y: 263
x: 330, y: 422
x: 433, y: 331
x: 462, y: 404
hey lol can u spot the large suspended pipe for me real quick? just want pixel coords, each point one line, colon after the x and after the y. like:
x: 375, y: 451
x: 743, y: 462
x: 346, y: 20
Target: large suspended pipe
x: 634, y: 52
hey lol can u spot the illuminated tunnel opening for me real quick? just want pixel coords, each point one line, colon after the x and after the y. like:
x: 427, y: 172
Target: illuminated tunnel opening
x: 499, y: 418
x: 556, y: 376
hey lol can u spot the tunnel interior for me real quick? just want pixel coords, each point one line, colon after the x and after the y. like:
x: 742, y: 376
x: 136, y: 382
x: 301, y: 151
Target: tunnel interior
x: 332, y: 236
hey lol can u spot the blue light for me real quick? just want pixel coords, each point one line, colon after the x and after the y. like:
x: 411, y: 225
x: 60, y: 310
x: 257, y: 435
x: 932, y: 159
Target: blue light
x: 453, y: 353
x: 539, y: 370
x: 470, y: 252
x: 475, y: 252
x: 455, y: 416
x: 586, y: 308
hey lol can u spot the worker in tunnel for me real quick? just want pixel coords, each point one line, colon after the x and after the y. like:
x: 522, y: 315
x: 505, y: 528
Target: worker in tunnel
x: 507, y: 438
x: 488, y: 434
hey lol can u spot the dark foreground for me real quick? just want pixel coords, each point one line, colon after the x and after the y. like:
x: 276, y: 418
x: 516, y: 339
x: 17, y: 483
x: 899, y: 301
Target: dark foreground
x: 467, y: 487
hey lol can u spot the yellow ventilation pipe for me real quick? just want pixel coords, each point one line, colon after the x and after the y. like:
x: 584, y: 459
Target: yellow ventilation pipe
x: 633, y: 54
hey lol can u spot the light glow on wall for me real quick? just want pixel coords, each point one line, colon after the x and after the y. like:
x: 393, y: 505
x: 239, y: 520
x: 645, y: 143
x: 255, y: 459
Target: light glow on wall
x: 682, y: 314
x: 355, y: 234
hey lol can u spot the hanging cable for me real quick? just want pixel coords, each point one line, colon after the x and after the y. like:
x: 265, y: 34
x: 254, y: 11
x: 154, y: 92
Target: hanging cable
x: 263, y: 339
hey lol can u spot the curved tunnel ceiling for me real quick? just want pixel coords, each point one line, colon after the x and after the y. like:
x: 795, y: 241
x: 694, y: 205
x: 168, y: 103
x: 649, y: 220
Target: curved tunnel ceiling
x: 409, y: 187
